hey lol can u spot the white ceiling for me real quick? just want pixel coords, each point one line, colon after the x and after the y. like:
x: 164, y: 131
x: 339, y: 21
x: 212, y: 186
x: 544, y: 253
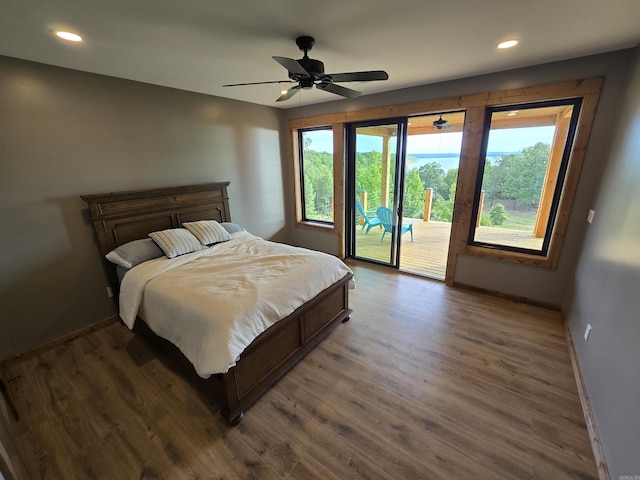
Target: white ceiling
x: 199, y: 45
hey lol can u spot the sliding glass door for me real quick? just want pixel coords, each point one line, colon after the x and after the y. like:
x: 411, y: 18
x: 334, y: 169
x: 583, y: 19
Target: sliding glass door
x: 407, y: 168
x: 375, y: 162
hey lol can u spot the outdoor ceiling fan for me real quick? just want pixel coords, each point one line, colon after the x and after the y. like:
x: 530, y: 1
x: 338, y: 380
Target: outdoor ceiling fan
x: 307, y: 73
x: 441, y: 123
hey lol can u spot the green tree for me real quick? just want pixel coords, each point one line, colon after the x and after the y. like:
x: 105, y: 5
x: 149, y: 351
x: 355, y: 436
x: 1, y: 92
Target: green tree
x: 450, y: 179
x: 442, y: 210
x: 517, y: 176
x: 309, y: 199
x: 369, y: 176
x: 413, y: 205
x: 433, y: 176
x: 318, y: 184
x: 493, y: 180
x: 532, y: 167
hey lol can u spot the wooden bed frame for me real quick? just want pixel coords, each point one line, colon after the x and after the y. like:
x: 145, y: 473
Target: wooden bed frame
x: 121, y: 217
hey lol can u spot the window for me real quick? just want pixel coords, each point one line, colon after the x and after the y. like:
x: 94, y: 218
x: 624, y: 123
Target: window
x: 524, y: 160
x: 316, y: 174
x: 485, y: 115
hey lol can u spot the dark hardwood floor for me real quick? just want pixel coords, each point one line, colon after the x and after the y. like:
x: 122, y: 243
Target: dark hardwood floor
x: 424, y: 382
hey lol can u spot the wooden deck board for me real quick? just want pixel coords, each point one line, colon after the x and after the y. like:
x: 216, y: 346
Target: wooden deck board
x: 427, y: 254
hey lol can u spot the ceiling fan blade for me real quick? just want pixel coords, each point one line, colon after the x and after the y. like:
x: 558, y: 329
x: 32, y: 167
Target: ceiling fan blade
x: 338, y: 90
x: 359, y: 76
x: 288, y: 94
x: 291, y: 65
x: 257, y: 83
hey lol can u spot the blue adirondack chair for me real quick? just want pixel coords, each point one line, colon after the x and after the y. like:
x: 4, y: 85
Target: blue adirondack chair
x: 386, y: 220
x: 369, y: 220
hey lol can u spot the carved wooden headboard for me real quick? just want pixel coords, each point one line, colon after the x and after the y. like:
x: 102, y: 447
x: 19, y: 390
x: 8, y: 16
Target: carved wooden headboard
x: 121, y: 217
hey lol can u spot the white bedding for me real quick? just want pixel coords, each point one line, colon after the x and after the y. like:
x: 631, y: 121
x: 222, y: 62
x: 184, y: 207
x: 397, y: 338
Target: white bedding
x: 213, y: 303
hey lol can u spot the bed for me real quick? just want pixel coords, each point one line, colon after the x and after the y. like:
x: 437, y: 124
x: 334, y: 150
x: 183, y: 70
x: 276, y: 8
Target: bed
x: 123, y: 217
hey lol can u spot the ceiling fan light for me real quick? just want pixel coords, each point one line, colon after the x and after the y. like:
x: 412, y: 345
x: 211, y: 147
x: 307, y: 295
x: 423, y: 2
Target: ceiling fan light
x: 508, y: 44
x: 71, y: 37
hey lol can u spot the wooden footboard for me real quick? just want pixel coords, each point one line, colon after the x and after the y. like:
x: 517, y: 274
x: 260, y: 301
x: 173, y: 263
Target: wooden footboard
x: 279, y: 348
x: 269, y: 356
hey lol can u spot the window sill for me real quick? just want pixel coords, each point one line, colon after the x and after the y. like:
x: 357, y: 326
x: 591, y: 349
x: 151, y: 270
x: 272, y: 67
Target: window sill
x: 327, y: 227
x: 509, y: 256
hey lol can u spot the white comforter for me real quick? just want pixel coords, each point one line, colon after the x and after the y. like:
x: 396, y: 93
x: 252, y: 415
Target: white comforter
x: 213, y: 303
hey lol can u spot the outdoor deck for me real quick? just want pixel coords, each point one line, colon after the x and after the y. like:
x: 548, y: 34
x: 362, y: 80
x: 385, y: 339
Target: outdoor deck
x: 427, y: 254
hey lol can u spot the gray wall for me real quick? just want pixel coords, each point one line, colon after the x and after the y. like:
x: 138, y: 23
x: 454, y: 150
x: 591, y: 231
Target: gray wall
x: 541, y: 284
x: 606, y: 294
x: 65, y: 133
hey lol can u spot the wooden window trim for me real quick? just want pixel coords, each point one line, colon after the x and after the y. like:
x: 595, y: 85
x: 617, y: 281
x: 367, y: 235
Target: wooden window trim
x: 474, y: 107
x: 337, y: 226
x: 552, y: 258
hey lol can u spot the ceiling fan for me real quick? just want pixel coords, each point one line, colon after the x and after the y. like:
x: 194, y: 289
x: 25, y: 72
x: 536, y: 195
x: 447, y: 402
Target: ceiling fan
x: 307, y: 72
x: 441, y: 123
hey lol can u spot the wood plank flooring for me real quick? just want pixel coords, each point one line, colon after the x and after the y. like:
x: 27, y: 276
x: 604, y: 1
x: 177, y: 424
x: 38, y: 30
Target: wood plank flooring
x: 424, y: 382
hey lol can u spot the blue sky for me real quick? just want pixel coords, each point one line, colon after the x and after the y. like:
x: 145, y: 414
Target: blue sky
x: 508, y: 140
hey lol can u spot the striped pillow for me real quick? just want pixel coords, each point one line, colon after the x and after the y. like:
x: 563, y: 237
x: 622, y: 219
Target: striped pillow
x: 175, y: 241
x: 207, y: 231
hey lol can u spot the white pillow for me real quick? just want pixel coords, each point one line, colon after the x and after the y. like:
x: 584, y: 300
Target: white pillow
x: 207, y: 231
x: 134, y: 253
x: 176, y: 241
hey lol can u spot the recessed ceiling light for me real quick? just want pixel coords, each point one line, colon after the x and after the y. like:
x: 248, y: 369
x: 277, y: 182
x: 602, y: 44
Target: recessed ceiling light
x: 508, y: 44
x: 72, y: 37
x: 512, y: 114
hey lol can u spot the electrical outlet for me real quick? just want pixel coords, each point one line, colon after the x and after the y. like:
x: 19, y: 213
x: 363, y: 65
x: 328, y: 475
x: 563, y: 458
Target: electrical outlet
x: 110, y: 292
x: 590, y: 215
x: 587, y: 332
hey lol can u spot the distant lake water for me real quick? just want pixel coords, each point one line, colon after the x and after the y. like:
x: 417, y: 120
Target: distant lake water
x: 446, y: 160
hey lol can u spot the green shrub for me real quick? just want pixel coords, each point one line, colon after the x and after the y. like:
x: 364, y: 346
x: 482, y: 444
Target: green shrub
x: 485, y: 220
x: 498, y: 215
x: 442, y: 210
